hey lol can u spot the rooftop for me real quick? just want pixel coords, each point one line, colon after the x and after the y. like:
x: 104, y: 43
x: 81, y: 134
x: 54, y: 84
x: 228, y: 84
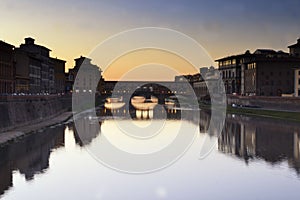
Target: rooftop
x: 295, y: 45
x: 2, y: 43
x: 30, y: 41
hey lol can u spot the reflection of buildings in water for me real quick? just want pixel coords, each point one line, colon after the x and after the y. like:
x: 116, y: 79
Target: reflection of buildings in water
x: 86, y: 129
x: 238, y: 139
x: 296, y: 146
x: 261, y: 138
x: 212, y: 127
x: 274, y: 146
x: 38, y: 149
x: 295, y: 162
x: 5, y: 171
x: 204, y: 121
x: 30, y: 155
x: 6, y: 178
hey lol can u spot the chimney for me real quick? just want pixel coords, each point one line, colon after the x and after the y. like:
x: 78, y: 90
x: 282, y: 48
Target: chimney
x: 29, y: 40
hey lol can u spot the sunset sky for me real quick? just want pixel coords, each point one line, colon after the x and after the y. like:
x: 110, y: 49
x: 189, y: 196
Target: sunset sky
x: 74, y: 28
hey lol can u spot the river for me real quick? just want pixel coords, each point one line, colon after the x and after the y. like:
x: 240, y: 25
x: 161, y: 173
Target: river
x: 253, y: 158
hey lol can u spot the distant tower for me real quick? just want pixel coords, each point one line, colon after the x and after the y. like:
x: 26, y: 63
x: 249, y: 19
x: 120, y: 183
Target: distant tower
x: 295, y: 49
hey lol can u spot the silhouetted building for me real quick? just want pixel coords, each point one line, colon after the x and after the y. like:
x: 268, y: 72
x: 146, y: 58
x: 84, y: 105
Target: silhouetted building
x: 268, y: 73
x: 59, y: 75
x: 297, y: 83
x: 41, y: 70
x: 6, y: 68
x: 264, y: 73
x: 295, y: 49
x: 88, y: 78
x: 24, y: 82
x: 69, y: 83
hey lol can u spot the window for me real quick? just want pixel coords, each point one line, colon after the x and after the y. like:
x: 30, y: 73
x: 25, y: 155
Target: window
x: 299, y: 81
x: 299, y: 72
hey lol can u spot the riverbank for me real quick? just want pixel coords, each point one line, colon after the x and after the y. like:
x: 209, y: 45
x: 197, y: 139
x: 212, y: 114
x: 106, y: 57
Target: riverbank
x: 17, y: 133
x: 20, y: 111
x: 288, y: 104
x: 259, y: 112
x: 275, y: 114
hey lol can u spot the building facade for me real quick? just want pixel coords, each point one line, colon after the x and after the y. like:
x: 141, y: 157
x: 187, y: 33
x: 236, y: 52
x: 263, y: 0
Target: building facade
x: 295, y: 49
x: 230, y: 69
x: 88, y: 79
x: 22, y: 80
x: 41, y: 69
x: 268, y: 73
x: 210, y: 79
x: 297, y: 83
x: 6, y: 68
x: 59, y: 75
x: 262, y: 73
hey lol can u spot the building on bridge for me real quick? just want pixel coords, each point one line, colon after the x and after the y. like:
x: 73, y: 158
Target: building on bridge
x: 155, y: 87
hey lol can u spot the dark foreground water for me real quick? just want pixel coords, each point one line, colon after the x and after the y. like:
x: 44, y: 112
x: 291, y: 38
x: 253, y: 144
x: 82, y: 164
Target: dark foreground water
x: 254, y: 158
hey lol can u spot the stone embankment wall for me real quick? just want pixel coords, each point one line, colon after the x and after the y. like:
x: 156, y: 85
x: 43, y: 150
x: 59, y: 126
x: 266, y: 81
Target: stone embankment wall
x: 16, y: 111
x: 274, y: 103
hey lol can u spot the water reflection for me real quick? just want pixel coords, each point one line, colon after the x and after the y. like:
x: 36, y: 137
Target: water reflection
x: 29, y: 156
x: 247, y: 138
x: 87, y: 128
x: 270, y: 140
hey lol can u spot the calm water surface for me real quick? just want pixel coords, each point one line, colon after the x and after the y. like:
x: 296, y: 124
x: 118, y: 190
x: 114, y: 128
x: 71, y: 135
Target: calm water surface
x: 254, y: 158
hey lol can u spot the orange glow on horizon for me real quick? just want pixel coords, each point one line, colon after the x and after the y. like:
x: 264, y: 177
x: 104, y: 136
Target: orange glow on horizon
x: 162, y: 64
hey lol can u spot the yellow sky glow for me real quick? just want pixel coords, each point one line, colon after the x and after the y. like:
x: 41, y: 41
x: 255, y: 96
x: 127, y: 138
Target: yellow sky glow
x: 164, y: 66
